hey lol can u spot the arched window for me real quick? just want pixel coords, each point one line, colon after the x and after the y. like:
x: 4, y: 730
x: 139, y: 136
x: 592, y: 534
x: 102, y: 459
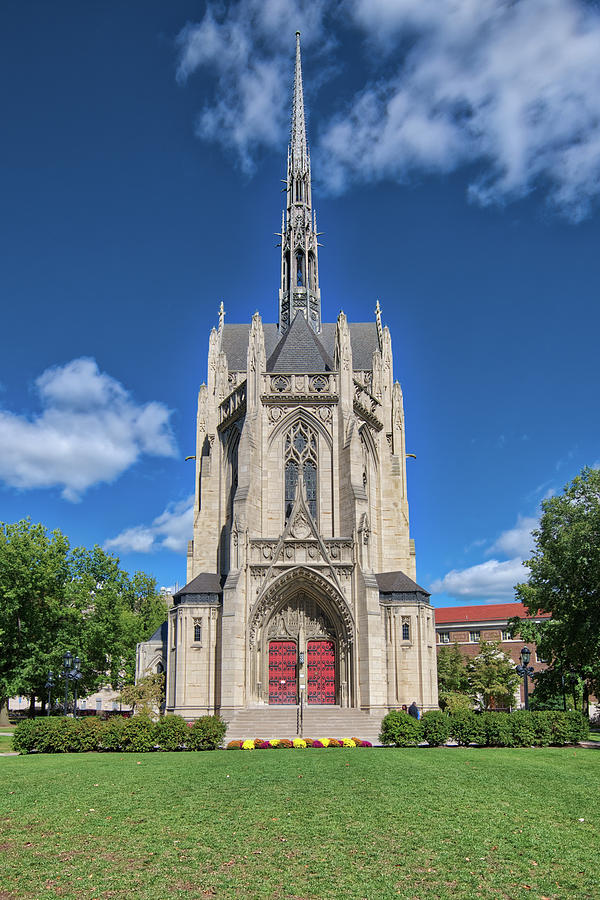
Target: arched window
x: 300, y: 268
x: 405, y: 631
x: 301, y: 455
x: 197, y: 634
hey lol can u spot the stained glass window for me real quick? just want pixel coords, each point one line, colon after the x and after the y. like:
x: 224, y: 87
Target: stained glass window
x: 301, y: 455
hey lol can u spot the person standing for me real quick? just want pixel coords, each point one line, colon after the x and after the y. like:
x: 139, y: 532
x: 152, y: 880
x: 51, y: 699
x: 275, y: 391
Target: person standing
x: 413, y: 710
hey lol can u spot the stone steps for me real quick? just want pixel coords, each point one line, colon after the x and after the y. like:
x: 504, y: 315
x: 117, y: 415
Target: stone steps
x: 281, y: 722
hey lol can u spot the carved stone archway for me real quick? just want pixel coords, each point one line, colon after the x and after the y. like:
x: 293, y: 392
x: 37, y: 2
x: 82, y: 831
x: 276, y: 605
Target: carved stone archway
x: 301, y: 607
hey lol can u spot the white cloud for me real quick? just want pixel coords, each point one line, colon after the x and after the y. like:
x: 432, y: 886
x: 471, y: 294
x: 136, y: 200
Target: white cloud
x: 90, y: 430
x: 511, y: 87
x: 517, y: 541
x: 171, y: 530
x: 491, y: 580
x: 247, y: 46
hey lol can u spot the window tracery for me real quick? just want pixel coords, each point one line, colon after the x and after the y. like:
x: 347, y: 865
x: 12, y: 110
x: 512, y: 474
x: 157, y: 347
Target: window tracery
x: 301, y: 455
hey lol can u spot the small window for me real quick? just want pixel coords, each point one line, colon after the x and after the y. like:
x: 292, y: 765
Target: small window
x: 405, y: 631
x: 98, y: 705
x: 82, y: 704
x: 444, y: 637
x: 474, y: 636
x: 506, y: 635
x: 539, y: 659
x: 197, y: 633
x: 115, y: 705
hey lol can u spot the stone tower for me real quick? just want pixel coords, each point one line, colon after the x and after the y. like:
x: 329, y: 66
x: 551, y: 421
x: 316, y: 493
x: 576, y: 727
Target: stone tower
x: 301, y: 570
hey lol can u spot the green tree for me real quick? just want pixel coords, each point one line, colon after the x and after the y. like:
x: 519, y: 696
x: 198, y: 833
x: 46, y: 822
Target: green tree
x: 492, y: 676
x: 564, y: 581
x: 147, y: 696
x: 451, y: 669
x: 54, y: 599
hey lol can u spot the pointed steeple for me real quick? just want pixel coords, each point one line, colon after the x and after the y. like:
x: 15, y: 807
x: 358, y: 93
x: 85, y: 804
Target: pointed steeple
x: 298, y: 146
x: 299, y: 284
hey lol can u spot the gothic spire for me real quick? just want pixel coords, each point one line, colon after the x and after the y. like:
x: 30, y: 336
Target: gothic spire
x: 298, y: 147
x: 299, y: 285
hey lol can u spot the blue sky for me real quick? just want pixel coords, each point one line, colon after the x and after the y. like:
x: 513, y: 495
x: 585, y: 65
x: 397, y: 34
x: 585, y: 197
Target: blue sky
x: 456, y: 168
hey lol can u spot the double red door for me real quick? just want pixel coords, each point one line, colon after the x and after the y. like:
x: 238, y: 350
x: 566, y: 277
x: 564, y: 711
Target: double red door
x: 320, y: 672
x: 283, y: 672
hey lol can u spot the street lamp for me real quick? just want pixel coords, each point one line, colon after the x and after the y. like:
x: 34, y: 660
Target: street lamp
x: 526, y: 671
x: 49, y: 686
x: 75, y: 675
x: 66, y: 674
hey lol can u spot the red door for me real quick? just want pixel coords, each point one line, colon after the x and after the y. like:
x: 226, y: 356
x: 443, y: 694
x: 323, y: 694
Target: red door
x: 321, y: 672
x: 283, y: 685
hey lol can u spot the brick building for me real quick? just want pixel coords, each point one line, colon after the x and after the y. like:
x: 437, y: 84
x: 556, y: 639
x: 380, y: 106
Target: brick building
x: 467, y: 625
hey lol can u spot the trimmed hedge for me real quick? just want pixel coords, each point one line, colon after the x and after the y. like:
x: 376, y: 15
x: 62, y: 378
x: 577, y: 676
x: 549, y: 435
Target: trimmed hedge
x: 134, y: 735
x: 400, y: 729
x: 521, y: 728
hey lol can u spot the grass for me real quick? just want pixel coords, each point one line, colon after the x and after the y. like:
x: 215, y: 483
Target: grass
x: 5, y: 743
x: 296, y: 824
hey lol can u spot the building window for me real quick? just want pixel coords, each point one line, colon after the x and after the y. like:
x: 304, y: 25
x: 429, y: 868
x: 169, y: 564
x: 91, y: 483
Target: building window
x: 444, y: 637
x: 474, y: 636
x: 82, y: 704
x: 98, y: 705
x: 301, y: 455
x: 506, y: 635
x: 539, y: 659
x: 405, y: 631
x: 197, y: 633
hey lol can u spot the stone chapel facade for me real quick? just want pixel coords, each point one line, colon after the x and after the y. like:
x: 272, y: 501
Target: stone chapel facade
x: 301, y: 569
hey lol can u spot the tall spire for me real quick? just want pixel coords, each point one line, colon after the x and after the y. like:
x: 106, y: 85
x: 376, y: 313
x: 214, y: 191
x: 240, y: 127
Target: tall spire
x: 299, y: 285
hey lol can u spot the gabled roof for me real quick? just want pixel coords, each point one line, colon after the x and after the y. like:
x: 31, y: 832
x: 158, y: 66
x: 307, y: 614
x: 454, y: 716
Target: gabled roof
x: 398, y: 583
x: 492, y: 612
x: 299, y: 350
x: 160, y: 635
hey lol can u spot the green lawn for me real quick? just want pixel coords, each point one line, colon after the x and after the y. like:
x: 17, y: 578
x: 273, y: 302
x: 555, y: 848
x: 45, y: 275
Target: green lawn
x: 302, y: 824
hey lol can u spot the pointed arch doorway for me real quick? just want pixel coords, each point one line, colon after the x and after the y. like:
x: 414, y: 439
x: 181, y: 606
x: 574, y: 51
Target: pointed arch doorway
x: 301, y: 643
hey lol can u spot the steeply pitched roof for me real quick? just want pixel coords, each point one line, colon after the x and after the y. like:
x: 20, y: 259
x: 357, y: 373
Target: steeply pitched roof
x: 299, y: 350
x: 160, y: 635
x: 398, y: 583
x: 204, y: 583
x: 363, y: 339
x: 487, y: 612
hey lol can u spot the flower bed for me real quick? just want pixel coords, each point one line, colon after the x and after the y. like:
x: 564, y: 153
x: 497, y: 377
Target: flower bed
x: 298, y: 744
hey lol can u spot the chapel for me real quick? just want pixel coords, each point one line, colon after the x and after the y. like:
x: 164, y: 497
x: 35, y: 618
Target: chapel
x: 301, y: 571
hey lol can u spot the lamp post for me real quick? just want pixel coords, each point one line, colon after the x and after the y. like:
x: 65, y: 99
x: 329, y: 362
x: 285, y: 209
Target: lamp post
x: 66, y: 674
x: 526, y: 672
x: 49, y: 686
x: 76, y: 676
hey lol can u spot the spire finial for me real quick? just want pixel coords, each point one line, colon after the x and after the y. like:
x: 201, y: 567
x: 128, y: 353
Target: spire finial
x: 221, y: 316
x: 379, y: 325
x: 298, y: 141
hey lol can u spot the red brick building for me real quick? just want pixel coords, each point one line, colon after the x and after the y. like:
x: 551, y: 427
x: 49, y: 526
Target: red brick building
x: 467, y: 625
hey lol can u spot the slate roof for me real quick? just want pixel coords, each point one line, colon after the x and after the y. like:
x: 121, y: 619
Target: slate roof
x: 363, y: 338
x: 398, y: 583
x: 299, y: 350
x: 204, y: 583
x: 487, y: 612
x: 160, y: 635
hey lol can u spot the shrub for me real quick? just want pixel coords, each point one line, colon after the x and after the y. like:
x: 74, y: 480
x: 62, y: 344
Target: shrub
x: 324, y: 742
x: 259, y: 741
x: 207, y: 733
x: 366, y: 744
x: 284, y: 744
x: 333, y: 744
x: 309, y: 742
x: 264, y: 746
x: 453, y: 701
x: 234, y: 745
x: 112, y: 734
x: 172, y: 732
x: 542, y: 729
x: 498, y: 729
x: 436, y: 727
x: 24, y: 739
x: 248, y: 745
x: 274, y: 744
x: 400, y: 729
x: 349, y: 743
x: 87, y: 734
x: 578, y: 726
x: 523, y: 728
x: 139, y: 735
x: 318, y: 745
x: 466, y: 727
x: 299, y: 744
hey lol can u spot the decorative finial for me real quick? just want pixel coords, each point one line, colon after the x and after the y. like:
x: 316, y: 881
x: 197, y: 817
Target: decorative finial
x: 379, y: 325
x: 221, y: 316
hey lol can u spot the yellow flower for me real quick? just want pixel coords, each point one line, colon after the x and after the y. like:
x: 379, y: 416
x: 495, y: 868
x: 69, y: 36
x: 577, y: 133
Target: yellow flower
x: 248, y: 745
x: 299, y: 744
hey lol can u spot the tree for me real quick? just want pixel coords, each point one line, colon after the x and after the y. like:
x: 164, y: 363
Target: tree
x: 492, y: 676
x: 564, y: 581
x: 147, y: 696
x: 452, y: 672
x: 54, y: 599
